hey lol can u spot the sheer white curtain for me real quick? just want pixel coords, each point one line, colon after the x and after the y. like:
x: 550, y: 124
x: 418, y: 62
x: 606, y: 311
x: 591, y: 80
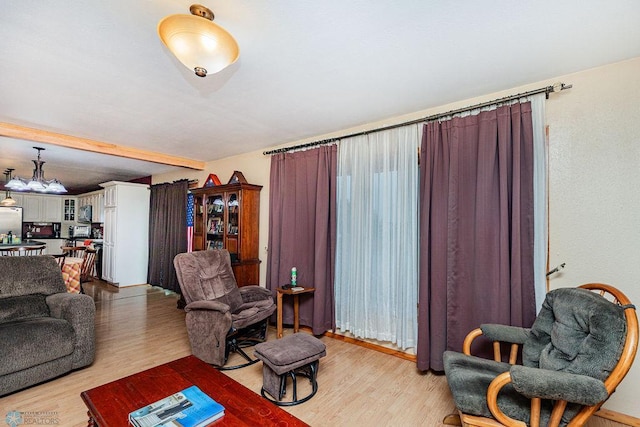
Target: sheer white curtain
x: 539, y: 197
x: 376, y: 282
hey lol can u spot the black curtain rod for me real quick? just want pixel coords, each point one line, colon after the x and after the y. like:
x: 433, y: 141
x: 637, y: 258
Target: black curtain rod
x: 546, y: 90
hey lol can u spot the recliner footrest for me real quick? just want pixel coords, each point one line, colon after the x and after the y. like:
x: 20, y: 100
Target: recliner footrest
x: 296, y: 354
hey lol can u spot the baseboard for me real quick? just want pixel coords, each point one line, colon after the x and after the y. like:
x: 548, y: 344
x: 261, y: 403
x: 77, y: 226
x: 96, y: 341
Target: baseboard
x: 618, y: 417
x: 372, y: 346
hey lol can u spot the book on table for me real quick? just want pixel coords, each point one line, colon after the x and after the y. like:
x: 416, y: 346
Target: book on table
x: 187, y: 408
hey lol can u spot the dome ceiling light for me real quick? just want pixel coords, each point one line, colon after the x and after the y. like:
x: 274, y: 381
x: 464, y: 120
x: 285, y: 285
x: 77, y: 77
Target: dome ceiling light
x: 201, y: 45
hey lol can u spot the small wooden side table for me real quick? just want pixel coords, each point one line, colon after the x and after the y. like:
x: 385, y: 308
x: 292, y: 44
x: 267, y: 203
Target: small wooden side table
x: 296, y: 307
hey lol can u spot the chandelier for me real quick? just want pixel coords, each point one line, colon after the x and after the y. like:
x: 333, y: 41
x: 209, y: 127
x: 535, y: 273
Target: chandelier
x: 197, y: 42
x: 8, y: 201
x: 37, y: 183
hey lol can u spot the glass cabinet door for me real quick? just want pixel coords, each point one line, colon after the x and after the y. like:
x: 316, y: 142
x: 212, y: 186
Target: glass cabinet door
x: 232, y: 225
x: 69, y: 210
x: 198, y: 222
x: 215, y: 221
x: 198, y: 214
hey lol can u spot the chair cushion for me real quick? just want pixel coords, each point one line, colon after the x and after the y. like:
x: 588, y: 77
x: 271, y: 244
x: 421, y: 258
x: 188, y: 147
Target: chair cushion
x: 31, y: 342
x: 23, y: 307
x: 252, y: 312
x: 576, y: 331
x: 469, y: 378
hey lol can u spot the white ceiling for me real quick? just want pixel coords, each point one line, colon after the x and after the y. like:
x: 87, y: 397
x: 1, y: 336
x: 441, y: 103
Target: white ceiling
x: 97, y: 70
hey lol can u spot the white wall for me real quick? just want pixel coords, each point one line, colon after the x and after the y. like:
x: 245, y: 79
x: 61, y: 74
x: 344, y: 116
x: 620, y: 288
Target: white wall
x: 594, y: 184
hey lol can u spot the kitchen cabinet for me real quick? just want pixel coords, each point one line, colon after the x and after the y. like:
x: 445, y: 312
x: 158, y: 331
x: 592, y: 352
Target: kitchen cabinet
x: 99, y: 204
x: 69, y: 209
x: 126, y: 233
x: 96, y: 200
x: 41, y: 208
x: 227, y: 216
x: 51, y: 208
x: 30, y: 208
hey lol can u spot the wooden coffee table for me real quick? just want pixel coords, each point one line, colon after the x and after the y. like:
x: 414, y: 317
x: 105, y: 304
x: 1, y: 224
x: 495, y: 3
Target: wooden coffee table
x: 110, y: 404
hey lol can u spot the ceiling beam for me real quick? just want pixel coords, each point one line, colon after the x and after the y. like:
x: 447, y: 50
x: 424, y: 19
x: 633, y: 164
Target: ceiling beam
x: 38, y: 135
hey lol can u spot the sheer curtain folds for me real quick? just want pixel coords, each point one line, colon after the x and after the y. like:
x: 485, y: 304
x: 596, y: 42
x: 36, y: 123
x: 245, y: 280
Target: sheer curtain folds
x: 302, y: 231
x: 377, y: 239
x: 476, y: 228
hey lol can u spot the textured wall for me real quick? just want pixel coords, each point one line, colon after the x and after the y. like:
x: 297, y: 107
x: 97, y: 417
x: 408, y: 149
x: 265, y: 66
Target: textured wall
x: 594, y: 186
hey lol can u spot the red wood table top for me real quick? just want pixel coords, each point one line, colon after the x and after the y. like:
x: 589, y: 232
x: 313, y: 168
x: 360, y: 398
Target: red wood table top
x: 110, y: 404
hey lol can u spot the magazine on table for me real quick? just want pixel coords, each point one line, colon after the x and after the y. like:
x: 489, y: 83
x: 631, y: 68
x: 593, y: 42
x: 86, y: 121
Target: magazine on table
x: 187, y: 408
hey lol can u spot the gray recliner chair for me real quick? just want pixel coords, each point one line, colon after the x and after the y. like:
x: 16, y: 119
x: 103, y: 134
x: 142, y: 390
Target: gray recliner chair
x: 578, y: 350
x: 221, y: 317
x: 45, y: 331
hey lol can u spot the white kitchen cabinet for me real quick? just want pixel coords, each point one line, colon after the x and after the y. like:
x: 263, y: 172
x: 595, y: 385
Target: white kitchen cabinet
x: 41, y: 208
x: 30, y: 208
x: 51, y: 208
x: 69, y: 209
x: 110, y: 196
x: 96, y: 200
x: 126, y: 233
x: 108, y: 245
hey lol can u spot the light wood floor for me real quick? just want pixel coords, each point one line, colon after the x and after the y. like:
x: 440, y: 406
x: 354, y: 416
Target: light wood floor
x: 140, y: 327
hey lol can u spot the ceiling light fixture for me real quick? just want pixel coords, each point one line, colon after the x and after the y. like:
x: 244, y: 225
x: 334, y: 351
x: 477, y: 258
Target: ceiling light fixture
x: 37, y: 183
x: 8, y: 201
x: 197, y: 42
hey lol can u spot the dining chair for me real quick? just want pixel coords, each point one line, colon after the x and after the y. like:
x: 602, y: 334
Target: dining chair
x: 88, y: 261
x: 22, y: 251
x: 73, y: 251
x: 59, y: 259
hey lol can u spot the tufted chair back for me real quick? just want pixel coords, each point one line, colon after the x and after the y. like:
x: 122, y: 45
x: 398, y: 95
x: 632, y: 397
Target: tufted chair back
x: 576, y: 331
x: 579, y: 348
x: 207, y: 276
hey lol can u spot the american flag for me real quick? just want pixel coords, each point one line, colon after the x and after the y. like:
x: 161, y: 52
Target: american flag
x: 189, y: 222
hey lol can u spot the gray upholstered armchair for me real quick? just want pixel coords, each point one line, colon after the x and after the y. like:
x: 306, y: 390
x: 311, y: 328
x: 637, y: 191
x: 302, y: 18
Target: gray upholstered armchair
x: 221, y: 318
x: 579, y: 348
x: 45, y: 331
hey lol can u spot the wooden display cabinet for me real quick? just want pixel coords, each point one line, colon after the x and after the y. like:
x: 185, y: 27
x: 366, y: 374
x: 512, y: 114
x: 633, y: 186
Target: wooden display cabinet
x: 227, y: 217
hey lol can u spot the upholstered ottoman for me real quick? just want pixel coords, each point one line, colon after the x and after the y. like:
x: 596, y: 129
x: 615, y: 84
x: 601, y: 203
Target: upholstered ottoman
x: 293, y: 355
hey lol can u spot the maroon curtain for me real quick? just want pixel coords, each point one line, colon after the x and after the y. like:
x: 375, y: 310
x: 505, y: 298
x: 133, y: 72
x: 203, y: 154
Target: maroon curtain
x: 167, y: 232
x: 302, y: 231
x: 476, y: 228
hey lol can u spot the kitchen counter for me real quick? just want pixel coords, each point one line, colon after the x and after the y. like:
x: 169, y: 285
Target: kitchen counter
x: 21, y: 244
x: 44, y: 238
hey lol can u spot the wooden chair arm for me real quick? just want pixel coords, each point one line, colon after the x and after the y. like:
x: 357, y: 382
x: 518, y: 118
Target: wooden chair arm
x: 492, y: 402
x: 466, y: 345
x: 497, y: 355
x: 536, y: 403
